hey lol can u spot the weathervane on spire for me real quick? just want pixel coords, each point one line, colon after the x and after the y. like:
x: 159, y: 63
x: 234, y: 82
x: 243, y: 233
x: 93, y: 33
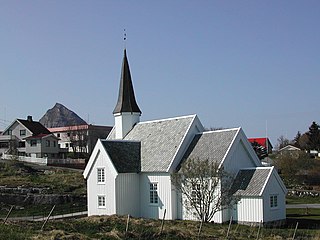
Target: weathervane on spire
x: 124, y: 37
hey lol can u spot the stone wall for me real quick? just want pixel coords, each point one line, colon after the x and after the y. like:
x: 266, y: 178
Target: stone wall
x: 37, y: 196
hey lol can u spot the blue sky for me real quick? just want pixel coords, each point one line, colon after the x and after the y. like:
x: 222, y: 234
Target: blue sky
x: 254, y: 64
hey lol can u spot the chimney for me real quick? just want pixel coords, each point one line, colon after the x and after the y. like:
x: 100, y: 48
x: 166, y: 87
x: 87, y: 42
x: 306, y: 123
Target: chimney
x: 29, y: 118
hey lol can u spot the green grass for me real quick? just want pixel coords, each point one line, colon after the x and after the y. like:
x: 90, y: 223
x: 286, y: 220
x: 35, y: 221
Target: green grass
x: 57, y: 180
x: 302, y: 200
x: 304, y: 213
x: 113, y: 227
x: 42, y: 210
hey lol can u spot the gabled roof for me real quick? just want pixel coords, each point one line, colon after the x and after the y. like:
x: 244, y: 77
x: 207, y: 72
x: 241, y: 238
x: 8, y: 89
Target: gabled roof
x: 41, y: 135
x: 126, y: 99
x: 35, y: 127
x: 289, y: 148
x: 160, y: 141
x: 125, y: 155
x: 251, y: 182
x: 212, y: 146
x: 261, y: 141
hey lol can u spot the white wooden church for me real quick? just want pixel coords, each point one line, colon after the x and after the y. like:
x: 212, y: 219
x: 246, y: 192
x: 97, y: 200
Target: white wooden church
x: 129, y: 172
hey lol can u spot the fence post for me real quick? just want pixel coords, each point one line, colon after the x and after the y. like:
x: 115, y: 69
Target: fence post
x: 127, y: 226
x: 8, y: 214
x: 229, y: 227
x: 259, y: 230
x: 162, y: 223
x: 47, y: 217
x: 295, y: 230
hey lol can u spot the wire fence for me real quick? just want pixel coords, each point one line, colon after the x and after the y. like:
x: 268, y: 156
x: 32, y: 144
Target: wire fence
x: 40, y: 212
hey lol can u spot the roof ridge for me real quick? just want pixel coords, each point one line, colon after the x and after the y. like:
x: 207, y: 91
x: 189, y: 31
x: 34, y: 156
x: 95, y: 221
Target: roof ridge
x: 118, y: 140
x: 221, y: 130
x: 168, y: 119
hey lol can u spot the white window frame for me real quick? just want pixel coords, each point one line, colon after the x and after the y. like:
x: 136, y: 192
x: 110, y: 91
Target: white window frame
x: 273, y: 201
x: 101, y: 201
x: 101, y: 175
x: 33, y: 143
x: 153, y: 193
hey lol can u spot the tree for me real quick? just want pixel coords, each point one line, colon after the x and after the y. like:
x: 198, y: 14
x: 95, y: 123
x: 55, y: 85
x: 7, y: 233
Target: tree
x: 296, y: 140
x: 292, y: 165
x: 282, y: 142
x: 260, y: 150
x: 205, y: 188
x: 313, y: 137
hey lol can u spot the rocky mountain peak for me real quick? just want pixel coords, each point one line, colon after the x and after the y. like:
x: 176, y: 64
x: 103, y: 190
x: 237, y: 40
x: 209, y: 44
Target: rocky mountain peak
x: 60, y: 116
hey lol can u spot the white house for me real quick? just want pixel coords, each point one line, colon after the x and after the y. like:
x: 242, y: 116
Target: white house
x: 129, y: 172
x: 28, y: 138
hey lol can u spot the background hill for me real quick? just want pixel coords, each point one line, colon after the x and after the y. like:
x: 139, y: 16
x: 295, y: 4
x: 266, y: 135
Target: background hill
x: 60, y: 116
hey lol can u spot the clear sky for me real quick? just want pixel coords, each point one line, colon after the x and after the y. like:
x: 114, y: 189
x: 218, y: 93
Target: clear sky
x: 254, y: 64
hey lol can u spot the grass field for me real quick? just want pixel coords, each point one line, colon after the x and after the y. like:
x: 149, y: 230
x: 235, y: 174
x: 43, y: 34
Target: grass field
x: 59, y: 181
x: 114, y: 227
x: 56, y: 180
x: 302, y: 200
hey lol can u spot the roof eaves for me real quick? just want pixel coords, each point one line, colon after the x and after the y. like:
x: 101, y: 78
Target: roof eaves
x: 8, y: 127
x: 111, y: 132
x: 251, y: 152
x: 267, y: 180
x: 230, y: 146
x: 278, y: 178
x: 21, y: 122
x: 194, y: 116
x: 90, y: 164
x: 106, y: 151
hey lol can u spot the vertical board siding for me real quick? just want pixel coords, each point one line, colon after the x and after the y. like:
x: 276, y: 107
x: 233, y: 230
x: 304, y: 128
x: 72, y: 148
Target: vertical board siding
x: 108, y: 188
x: 240, y: 159
x: 128, y: 194
x: 164, y: 193
x: 191, y: 214
x: 249, y: 210
x: 278, y: 213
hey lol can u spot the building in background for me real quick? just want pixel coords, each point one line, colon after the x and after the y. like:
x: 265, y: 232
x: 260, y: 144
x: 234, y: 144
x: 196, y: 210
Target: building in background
x: 29, y: 138
x: 80, y: 138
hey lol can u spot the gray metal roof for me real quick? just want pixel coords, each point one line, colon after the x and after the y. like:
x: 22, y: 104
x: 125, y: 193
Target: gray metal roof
x: 211, y: 146
x: 250, y: 182
x: 160, y: 141
x: 126, y: 99
x: 124, y: 155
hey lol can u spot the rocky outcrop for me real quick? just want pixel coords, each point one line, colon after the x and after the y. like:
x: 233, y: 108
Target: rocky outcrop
x: 60, y: 116
x: 38, y: 199
x: 27, y: 196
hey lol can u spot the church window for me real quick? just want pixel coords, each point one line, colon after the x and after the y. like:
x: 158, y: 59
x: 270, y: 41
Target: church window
x: 273, y: 201
x: 101, y: 175
x: 154, y: 193
x: 101, y: 201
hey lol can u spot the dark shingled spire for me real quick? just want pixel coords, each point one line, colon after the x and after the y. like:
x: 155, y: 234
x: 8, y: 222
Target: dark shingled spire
x: 126, y: 100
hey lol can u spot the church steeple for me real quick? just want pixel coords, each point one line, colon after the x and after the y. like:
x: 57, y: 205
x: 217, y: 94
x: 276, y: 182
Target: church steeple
x: 126, y: 99
x: 126, y: 113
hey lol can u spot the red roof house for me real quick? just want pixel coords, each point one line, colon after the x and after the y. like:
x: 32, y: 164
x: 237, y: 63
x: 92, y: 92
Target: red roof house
x: 264, y: 142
